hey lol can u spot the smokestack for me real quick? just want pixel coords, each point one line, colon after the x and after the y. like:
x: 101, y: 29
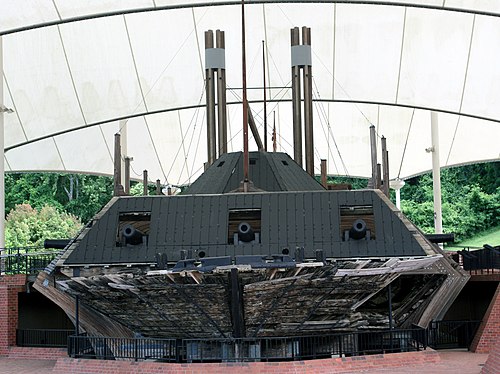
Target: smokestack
x: 210, y: 95
x: 220, y: 43
x: 158, y: 187
x: 145, y: 182
x: 308, y: 107
x: 118, y: 188
x: 215, y: 62
x: 127, y: 175
x: 301, y: 59
x: 324, y: 179
x: 385, y: 166
x: 297, y: 117
x: 373, y: 149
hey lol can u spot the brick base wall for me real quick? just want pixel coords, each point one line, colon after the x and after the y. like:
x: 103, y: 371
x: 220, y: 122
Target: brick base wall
x: 10, y: 286
x: 492, y: 365
x: 334, y: 365
x: 36, y: 353
x: 489, y: 330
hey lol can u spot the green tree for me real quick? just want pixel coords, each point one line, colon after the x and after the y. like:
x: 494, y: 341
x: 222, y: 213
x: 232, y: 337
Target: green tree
x: 28, y: 226
x: 81, y: 195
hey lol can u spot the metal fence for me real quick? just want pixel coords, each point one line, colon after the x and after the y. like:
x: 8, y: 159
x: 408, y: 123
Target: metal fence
x: 247, y: 349
x: 484, y: 260
x: 25, y: 260
x: 451, y: 334
x: 42, y: 338
x: 104, y: 348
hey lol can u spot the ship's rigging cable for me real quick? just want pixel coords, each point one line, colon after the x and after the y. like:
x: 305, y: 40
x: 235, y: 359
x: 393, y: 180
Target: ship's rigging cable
x: 195, y: 115
x: 406, y: 142
x: 323, y: 113
x: 282, y: 92
x: 353, y: 101
x: 145, y: 94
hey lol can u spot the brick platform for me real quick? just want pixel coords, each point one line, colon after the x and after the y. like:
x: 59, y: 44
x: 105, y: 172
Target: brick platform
x: 10, y: 286
x: 489, y: 330
x: 492, y: 365
x: 36, y: 353
x: 334, y: 365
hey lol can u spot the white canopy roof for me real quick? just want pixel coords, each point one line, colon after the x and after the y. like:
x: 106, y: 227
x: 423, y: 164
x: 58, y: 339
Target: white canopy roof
x: 75, y: 72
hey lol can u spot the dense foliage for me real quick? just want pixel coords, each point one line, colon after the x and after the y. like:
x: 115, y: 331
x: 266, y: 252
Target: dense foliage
x: 470, y: 200
x: 80, y: 195
x: 27, y: 226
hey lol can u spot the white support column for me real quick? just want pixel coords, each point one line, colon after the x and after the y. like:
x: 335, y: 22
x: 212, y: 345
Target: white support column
x: 396, y: 185
x: 436, y: 174
x: 2, y: 161
x: 123, y: 145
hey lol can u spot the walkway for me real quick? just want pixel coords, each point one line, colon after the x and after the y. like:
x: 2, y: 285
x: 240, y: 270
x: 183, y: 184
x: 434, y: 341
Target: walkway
x: 452, y: 362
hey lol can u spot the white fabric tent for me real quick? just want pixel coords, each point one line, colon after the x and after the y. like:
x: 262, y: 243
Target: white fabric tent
x: 75, y: 70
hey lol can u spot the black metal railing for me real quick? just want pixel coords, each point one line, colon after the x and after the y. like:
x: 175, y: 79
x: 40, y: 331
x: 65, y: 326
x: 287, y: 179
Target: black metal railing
x: 484, y: 260
x: 451, y: 334
x: 43, y: 338
x: 247, y: 349
x: 25, y: 260
x: 104, y: 348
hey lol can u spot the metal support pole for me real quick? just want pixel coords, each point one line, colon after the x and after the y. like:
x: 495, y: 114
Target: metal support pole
x: 275, y: 135
x: 246, y: 160
x: 324, y: 179
x: 296, y: 100
x: 2, y: 162
x: 145, y: 183
x: 397, y: 184
x: 169, y: 191
x: 77, y: 315
x: 389, y: 298
x: 118, y: 167
x: 373, y: 149
x: 379, y: 174
x: 385, y: 166
x: 158, y: 187
x: 265, y: 96
x: 221, y: 97
x: 126, y: 186
x: 308, y: 107
x: 210, y: 96
x: 122, y: 130
x: 236, y: 305
x: 436, y: 174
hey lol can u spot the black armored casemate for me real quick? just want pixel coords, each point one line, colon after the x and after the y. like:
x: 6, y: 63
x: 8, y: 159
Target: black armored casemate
x: 288, y: 258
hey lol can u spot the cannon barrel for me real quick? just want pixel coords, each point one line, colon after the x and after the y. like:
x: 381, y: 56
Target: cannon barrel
x: 132, y: 235
x: 358, y: 229
x: 441, y: 238
x: 56, y: 243
x: 245, y: 232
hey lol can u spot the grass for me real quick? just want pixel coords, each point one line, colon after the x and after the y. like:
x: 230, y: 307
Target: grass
x: 491, y: 237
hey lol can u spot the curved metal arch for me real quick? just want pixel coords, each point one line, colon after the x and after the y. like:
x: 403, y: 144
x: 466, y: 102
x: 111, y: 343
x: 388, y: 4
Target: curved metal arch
x: 229, y: 3
x: 143, y: 114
